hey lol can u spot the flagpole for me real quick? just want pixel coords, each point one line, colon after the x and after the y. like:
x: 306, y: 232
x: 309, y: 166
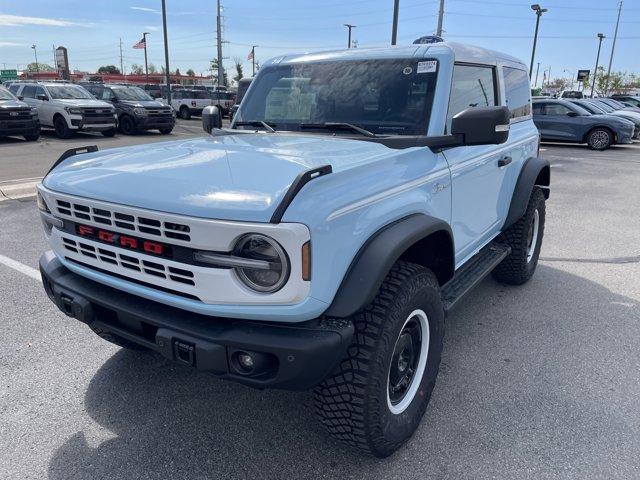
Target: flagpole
x: 146, y: 67
x: 253, y: 60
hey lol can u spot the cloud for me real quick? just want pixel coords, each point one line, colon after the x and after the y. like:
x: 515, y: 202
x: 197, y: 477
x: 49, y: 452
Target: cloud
x: 19, y: 21
x: 11, y: 44
x: 151, y: 28
x: 145, y: 9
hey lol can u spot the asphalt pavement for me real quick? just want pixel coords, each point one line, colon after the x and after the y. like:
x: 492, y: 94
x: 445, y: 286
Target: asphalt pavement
x: 540, y: 381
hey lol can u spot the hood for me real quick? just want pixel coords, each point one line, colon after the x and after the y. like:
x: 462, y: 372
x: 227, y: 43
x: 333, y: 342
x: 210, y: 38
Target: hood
x: 83, y: 102
x: 144, y: 103
x: 234, y: 177
x: 13, y: 104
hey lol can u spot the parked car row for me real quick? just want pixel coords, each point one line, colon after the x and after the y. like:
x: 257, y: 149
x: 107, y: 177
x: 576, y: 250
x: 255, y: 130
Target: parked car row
x: 598, y: 122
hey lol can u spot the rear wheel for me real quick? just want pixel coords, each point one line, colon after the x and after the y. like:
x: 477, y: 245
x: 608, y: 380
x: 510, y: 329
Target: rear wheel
x: 599, y: 139
x: 375, y: 398
x: 61, y: 128
x: 185, y: 114
x: 127, y: 125
x: 525, y: 239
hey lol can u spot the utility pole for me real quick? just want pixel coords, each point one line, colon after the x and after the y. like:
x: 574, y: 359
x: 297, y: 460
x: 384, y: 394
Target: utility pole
x: 167, y: 73
x: 394, y: 28
x: 35, y: 52
x: 613, y: 47
x: 220, y: 68
x: 595, y: 70
x: 253, y: 60
x: 440, y: 18
x: 535, y: 85
x: 146, y: 67
x: 121, y: 64
x: 349, y: 26
x: 539, y: 11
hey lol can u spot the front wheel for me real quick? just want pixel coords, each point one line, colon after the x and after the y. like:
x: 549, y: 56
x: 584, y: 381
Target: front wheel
x: 127, y: 125
x: 109, y: 133
x: 32, y: 138
x: 525, y: 239
x: 166, y: 131
x: 61, y: 128
x: 375, y: 398
x: 185, y: 114
x: 599, y: 139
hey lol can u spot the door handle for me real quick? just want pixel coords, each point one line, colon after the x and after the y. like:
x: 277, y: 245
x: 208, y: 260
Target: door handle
x: 504, y: 161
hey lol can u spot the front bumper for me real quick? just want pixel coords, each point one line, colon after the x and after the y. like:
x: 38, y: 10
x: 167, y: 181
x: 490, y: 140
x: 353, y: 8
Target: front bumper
x: 151, y: 122
x: 93, y: 123
x: 292, y: 357
x: 625, y: 136
x: 20, y: 127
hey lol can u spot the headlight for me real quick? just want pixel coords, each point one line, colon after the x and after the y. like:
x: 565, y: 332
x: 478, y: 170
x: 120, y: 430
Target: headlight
x: 140, y: 111
x: 273, y: 272
x: 42, y: 205
x: 73, y: 111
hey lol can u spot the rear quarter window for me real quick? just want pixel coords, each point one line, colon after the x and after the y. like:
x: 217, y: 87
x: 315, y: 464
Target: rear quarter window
x: 517, y: 92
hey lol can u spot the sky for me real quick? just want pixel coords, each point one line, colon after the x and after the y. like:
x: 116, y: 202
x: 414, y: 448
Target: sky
x: 92, y: 30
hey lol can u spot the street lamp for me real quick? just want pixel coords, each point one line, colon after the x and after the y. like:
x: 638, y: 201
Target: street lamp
x: 349, y: 26
x: 539, y: 11
x: 595, y: 71
x: 146, y: 68
x: 35, y: 52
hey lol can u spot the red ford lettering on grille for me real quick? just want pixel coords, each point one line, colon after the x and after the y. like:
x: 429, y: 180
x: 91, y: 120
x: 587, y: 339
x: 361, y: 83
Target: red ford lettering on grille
x: 124, y: 241
x: 128, y: 242
x: 152, y: 247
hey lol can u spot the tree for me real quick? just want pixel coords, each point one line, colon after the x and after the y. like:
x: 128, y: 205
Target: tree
x: 558, y: 84
x: 42, y: 67
x: 110, y: 69
x: 238, y: 65
x: 214, y: 73
x: 137, y: 69
x: 177, y: 71
x: 191, y: 73
x: 152, y: 68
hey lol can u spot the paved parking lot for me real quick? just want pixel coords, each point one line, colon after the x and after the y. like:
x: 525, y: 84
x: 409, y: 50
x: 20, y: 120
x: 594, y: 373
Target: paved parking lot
x: 539, y: 381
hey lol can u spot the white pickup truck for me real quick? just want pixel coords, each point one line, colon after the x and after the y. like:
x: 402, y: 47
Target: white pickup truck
x: 190, y: 102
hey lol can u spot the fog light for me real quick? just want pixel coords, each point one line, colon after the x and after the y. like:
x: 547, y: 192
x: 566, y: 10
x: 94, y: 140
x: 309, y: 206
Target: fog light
x: 246, y: 361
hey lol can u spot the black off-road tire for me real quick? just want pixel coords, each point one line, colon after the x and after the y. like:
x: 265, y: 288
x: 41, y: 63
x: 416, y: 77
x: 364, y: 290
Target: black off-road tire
x: 517, y: 268
x: 117, y: 340
x: 600, y: 139
x: 109, y: 133
x: 61, y: 128
x: 127, y: 126
x: 352, y: 403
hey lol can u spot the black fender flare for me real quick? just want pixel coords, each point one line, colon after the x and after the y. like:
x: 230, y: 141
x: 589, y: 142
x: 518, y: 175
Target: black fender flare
x: 524, y: 186
x: 376, y: 257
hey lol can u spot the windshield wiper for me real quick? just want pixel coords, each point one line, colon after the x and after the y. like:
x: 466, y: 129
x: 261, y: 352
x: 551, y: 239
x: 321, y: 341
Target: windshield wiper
x: 257, y: 123
x: 339, y: 126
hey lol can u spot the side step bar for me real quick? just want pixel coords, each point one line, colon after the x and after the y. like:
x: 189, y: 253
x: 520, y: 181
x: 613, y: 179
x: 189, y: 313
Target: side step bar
x: 472, y: 273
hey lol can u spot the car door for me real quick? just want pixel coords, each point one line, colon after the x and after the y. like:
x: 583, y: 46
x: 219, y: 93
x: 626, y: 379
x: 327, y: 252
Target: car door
x: 46, y: 109
x: 476, y: 174
x: 28, y: 94
x: 562, y: 123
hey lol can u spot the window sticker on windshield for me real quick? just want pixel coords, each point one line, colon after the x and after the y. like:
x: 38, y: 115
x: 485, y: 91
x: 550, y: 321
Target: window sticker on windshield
x: 427, y: 67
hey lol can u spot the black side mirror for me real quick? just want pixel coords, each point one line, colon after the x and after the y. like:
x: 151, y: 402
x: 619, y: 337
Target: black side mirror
x: 20, y: 97
x: 482, y: 125
x: 572, y: 114
x: 211, y: 118
x: 42, y: 96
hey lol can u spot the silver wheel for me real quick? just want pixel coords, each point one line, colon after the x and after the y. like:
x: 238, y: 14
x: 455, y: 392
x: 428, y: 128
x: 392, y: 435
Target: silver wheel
x: 532, y: 241
x: 600, y: 139
x: 408, y: 362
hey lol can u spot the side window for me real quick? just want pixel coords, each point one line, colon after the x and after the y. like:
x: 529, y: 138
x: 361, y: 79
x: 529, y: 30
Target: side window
x: 29, y: 91
x: 556, y: 109
x: 107, y: 94
x: 14, y: 88
x: 472, y: 86
x: 538, y: 108
x: 517, y: 92
x: 40, y: 91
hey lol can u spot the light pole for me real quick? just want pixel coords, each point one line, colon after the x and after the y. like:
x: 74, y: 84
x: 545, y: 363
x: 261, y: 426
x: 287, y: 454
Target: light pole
x: 539, y: 11
x: 35, y: 52
x: 167, y: 72
x: 394, y: 27
x: 146, y: 67
x: 595, y: 70
x: 349, y: 26
x: 613, y: 48
x: 535, y: 85
x: 253, y: 60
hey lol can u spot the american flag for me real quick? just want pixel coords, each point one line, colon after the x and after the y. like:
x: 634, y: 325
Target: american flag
x: 250, y: 56
x: 141, y: 44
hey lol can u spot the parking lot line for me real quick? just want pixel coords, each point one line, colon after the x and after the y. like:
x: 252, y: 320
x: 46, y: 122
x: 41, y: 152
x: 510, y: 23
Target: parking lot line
x: 20, y: 267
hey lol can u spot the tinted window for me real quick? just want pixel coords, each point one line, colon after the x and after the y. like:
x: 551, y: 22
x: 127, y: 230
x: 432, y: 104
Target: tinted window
x: 472, y: 86
x: 29, y: 91
x: 14, y: 88
x: 383, y: 96
x: 40, y: 91
x: 538, y: 108
x: 556, y: 109
x: 517, y: 92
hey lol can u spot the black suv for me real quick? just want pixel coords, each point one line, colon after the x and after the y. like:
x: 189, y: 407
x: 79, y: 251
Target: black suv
x: 136, y: 110
x: 17, y: 118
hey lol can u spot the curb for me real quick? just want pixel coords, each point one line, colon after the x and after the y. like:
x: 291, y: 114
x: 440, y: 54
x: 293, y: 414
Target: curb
x: 17, y: 191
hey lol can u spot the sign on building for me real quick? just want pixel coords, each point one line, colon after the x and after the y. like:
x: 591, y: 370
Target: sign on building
x: 8, y: 75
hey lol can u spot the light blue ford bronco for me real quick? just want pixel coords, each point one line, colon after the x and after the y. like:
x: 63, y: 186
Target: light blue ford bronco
x: 321, y: 240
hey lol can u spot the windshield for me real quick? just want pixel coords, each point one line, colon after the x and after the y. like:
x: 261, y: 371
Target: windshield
x: 69, y: 92
x: 131, y: 93
x: 579, y: 109
x: 592, y: 108
x: 605, y: 107
x: 6, y: 95
x: 382, y: 96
